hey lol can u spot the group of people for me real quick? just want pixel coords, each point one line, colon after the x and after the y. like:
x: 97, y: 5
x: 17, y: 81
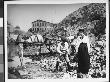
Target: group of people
x: 82, y: 48
x: 64, y: 48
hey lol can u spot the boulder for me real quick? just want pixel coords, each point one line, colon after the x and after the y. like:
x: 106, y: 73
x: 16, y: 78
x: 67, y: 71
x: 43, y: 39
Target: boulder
x: 23, y: 72
x: 16, y: 61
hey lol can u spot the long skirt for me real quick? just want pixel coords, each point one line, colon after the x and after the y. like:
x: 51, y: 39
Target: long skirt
x: 83, y: 59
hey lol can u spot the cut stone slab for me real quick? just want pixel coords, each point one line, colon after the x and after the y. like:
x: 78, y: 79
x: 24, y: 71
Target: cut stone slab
x: 17, y: 62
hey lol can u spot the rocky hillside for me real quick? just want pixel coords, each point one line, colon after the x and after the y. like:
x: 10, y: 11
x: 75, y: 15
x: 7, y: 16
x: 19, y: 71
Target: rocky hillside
x: 91, y: 17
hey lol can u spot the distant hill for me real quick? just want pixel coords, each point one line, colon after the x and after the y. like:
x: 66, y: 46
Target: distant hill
x: 1, y: 35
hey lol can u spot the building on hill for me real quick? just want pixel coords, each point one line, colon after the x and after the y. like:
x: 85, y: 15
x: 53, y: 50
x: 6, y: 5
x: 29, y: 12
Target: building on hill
x: 42, y: 27
x: 10, y: 29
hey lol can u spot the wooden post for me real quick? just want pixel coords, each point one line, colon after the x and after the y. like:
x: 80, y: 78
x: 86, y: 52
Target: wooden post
x: 49, y: 45
x: 21, y: 58
x: 40, y: 48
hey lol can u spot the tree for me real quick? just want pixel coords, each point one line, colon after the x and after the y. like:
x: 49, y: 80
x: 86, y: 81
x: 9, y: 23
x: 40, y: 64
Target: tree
x: 17, y: 27
x: 99, y: 28
x: 18, y: 31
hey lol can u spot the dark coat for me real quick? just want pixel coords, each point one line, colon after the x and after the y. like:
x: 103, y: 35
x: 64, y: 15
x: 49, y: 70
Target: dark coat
x: 83, y: 58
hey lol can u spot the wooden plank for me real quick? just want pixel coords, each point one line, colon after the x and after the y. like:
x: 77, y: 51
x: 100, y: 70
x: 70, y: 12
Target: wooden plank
x: 1, y: 77
x: 1, y: 54
x: 1, y: 58
x: 1, y: 68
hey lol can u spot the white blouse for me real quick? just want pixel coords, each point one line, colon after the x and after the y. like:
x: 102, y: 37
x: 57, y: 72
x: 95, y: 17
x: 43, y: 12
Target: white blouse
x: 77, y: 42
x: 60, y: 47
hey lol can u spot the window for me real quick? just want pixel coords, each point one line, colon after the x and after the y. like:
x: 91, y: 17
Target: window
x: 37, y: 29
x: 37, y: 23
x: 42, y: 24
x: 33, y: 24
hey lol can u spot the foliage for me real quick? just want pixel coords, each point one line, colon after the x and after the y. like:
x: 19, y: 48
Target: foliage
x: 94, y: 12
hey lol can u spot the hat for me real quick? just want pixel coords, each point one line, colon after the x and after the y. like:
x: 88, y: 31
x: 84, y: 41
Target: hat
x: 64, y: 39
x: 81, y: 30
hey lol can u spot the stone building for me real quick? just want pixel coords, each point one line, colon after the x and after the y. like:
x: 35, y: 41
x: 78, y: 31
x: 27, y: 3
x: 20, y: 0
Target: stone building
x: 42, y: 27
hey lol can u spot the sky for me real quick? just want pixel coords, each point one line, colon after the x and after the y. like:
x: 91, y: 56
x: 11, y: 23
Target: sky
x: 24, y: 14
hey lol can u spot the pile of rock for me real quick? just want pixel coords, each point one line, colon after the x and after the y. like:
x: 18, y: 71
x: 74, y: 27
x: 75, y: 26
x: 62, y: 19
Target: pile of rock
x: 98, y: 59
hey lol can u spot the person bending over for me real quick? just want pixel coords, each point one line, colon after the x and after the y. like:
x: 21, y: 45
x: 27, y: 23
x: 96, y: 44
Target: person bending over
x: 63, y: 50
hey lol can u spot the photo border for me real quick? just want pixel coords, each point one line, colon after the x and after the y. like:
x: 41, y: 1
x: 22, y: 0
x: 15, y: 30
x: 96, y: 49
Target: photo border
x: 58, y: 2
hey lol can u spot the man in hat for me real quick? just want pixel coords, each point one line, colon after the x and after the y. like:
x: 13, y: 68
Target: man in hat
x: 63, y: 50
